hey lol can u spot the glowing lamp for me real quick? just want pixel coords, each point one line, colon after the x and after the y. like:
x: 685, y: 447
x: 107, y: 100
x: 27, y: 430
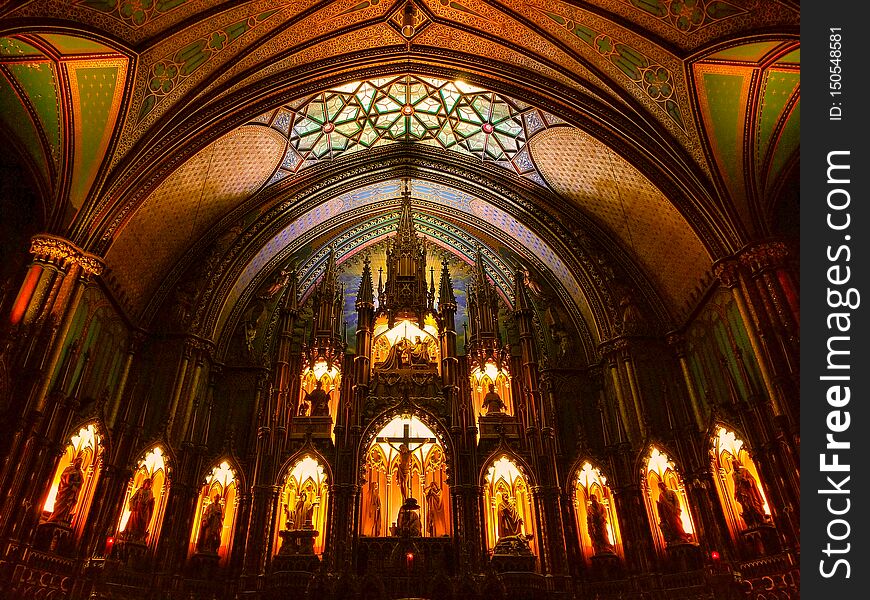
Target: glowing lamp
x: 714, y: 555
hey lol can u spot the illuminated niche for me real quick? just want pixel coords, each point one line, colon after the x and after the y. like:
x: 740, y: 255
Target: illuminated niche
x: 381, y: 493
x: 223, y: 483
x: 154, y: 468
x: 329, y: 375
x: 406, y: 345
x: 504, y: 477
x: 304, y: 501
x: 481, y: 378
x: 591, y: 482
x: 661, y: 469
x: 728, y: 451
x: 85, y: 445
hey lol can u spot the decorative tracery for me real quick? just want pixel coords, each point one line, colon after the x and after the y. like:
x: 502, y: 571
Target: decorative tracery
x: 409, y: 108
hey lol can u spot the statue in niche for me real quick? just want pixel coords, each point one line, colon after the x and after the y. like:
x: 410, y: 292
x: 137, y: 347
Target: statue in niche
x: 141, y: 507
x: 251, y: 324
x: 182, y: 309
x: 669, y: 509
x: 433, y: 507
x: 209, y: 539
x: 274, y: 286
x: 509, y: 520
x: 303, y: 512
x: 630, y: 315
x: 748, y: 496
x: 71, y: 481
x: 418, y: 352
x: 318, y: 400
x: 375, y: 508
x: 397, y: 357
x: 596, y: 524
x: 492, y: 402
x: 532, y: 283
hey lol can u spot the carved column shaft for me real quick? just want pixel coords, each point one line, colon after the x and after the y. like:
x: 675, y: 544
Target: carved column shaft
x: 678, y: 343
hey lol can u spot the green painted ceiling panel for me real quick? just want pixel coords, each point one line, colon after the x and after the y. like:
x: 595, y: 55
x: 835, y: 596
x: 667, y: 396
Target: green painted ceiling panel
x: 66, y: 44
x: 793, y: 57
x: 726, y: 108
x: 96, y: 90
x: 789, y: 141
x: 18, y: 120
x: 778, y: 88
x: 747, y: 52
x: 16, y: 47
x: 39, y: 81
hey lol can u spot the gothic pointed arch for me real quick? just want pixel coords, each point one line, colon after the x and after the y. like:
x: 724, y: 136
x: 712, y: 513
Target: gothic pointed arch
x: 739, y: 485
x: 596, y: 512
x: 75, y: 477
x: 666, y: 499
x: 302, y: 510
x: 217, y: 509
x: 144, y: 503
x: 507, y: 483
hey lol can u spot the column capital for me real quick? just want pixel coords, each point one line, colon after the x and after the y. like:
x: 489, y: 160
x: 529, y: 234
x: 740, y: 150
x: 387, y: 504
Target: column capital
x: 677, y: 341
x: 727, y: 271
x: 64, y: 253
x: 764, y: 256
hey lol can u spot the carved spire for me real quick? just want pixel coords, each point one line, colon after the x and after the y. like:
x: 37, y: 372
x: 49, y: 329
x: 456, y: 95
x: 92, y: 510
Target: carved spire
x: 405, y: 290
x: 365, y: 296
x: 482, y: 302
x: 446, y: 298
x: 406, y: 231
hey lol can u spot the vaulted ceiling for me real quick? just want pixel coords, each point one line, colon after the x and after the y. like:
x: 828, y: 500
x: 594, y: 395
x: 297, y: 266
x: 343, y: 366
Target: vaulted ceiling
x: 602, y: 145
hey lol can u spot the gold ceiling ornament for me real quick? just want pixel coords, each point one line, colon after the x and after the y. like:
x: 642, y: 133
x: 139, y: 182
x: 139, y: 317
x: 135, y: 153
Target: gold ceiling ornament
x: 53, y: 249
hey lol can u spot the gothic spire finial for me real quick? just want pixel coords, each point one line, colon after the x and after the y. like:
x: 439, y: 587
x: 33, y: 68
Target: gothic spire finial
x: 366, y: 296
x: 446, y: 298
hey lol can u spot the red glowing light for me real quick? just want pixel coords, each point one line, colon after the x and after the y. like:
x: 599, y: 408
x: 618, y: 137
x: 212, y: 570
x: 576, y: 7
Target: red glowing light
x: 714, y: 555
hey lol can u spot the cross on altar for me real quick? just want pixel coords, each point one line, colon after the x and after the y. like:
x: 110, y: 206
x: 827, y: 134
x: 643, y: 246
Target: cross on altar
x: 404, y: 449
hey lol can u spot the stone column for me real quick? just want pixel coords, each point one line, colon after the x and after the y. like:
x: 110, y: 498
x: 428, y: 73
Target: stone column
x: 43, y: 423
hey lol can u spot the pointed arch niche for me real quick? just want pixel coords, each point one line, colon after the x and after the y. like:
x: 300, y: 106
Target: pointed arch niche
x: 152, y: 470
x: 496, y: 374
x: 504, y: 477
x: 87, y: 446
x: 406, y: 345
x: 589, y: 482
x: 381, y: 494
x: 329, y: 375
x: 222, y: 481
x: 304, y: 500
x: 728, y: 450
x: 659, y: 468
